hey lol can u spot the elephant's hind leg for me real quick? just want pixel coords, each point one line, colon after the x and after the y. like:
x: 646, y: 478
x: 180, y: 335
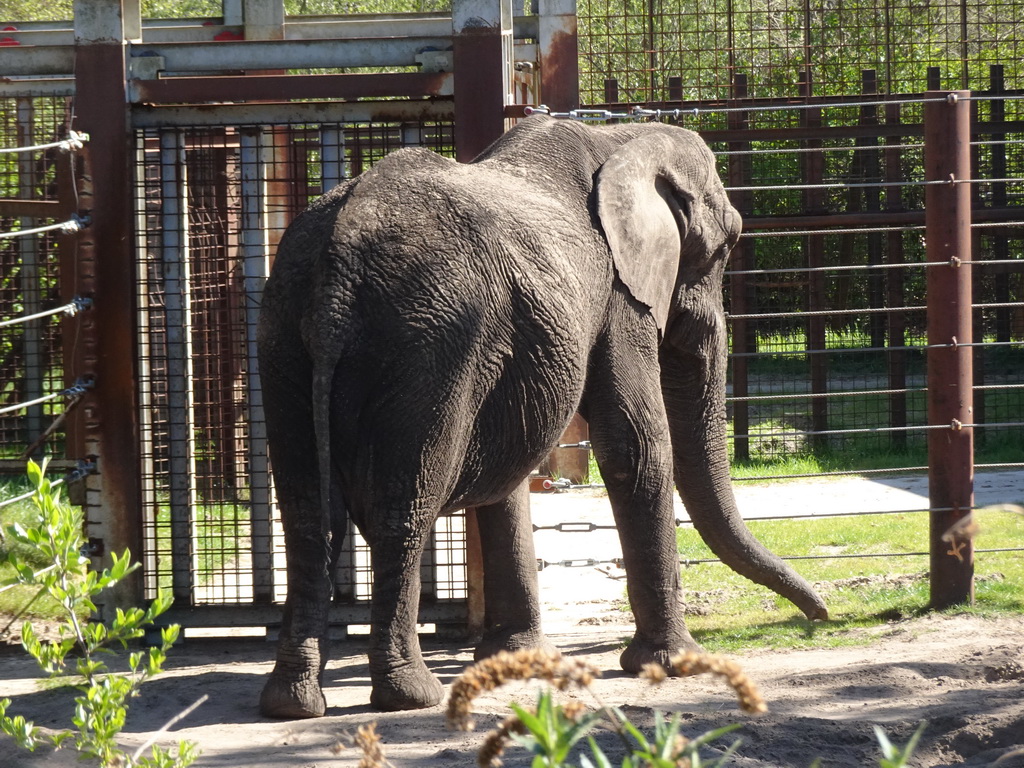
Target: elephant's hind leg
x: 511, y: 594
x: 399, y: 676
x: 294, y: 688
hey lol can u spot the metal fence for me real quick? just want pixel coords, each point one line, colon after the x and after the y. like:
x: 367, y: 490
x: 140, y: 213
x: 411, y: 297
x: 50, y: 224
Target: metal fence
x: 34, y: 166
x: 669, y: 50
x: 827, y: 291
x: 212, y: 203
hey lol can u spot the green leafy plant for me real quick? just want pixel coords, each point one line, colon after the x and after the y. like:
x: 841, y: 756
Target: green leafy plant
x: 551, y: 730
x: 893, y: 756
x: 101, y: 706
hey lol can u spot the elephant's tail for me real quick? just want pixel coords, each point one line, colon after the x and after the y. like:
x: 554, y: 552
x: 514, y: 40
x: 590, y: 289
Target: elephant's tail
x: 323, y: 377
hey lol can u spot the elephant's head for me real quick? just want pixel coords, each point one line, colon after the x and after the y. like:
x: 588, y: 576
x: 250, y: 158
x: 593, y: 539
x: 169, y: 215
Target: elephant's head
x: 670, y: 228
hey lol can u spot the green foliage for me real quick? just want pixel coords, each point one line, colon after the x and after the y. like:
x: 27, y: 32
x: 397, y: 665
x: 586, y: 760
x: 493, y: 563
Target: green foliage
x: 551, y: 732
x: 892, y: 756
x: 55, y: 538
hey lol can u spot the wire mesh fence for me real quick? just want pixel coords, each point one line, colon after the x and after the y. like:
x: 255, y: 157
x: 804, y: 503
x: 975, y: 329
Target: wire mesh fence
x: 827, y: 290
x: 213, y: 203
x: 668, y: 50
x: 31, y: 362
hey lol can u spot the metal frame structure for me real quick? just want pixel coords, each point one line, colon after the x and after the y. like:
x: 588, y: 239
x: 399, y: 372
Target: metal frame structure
x: 148, y: 94
x: 205, y: 139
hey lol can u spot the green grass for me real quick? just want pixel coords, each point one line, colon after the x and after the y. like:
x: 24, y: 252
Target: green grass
x: 220, y: 534
x: 19, y: 601
x: 728, y: 613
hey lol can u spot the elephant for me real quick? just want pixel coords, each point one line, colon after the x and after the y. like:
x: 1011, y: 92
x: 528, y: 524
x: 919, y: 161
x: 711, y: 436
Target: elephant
x: 427, y: 331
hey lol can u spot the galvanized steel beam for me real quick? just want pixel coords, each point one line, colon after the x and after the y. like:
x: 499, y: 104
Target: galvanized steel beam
x: 289, y: 54
x: 228, y: 88
x: 36, y: 61
x: 300, y: 112
x: 37, y: 87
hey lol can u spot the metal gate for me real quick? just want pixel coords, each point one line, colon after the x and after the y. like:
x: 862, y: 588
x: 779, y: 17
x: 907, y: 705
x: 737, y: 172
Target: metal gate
x: 211, y: 204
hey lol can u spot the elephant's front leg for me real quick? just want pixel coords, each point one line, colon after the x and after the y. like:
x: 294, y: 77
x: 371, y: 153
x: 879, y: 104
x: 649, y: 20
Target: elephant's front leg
x: 629, y: 432
x: 511, y: 593
x: 399, y: 676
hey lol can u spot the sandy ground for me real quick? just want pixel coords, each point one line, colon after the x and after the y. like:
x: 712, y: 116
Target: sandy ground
x: 964, y: 675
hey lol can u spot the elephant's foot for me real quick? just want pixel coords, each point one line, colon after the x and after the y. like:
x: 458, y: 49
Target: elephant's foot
x: 411, y: 687
x: 512, y: 640
x: 292, y: 699
x: 641, y: 651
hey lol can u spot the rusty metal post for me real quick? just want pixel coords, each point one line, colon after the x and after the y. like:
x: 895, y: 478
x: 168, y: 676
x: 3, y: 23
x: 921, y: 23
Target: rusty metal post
x: 950, y: 377
x: 482, y: 52
x: 558, y: 54
x: 113, y: 495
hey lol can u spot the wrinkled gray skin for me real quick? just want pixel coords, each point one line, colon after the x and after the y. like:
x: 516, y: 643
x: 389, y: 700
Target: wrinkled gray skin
x: 429, y: 329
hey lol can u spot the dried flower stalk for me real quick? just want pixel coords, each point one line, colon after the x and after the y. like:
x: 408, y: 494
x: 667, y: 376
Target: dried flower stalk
x: 506, y: 666
x: 692, y: 663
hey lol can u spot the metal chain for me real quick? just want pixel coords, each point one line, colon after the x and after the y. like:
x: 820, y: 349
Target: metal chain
x: 585, y: 562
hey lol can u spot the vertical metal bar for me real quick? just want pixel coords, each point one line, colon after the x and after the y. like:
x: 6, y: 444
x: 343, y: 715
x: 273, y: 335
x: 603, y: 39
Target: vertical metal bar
x: 178, y: 303
x: 254, y: 156
x: 740, y: 287
x: 652, y: 54
x: 814, y: 249
x: 1001, y: 244
x: 332, y: 157
x: 482, y: 50
x: 977, y: 290
x: 106, y: 262
x: 611, y: 91
x: 73, y: 282
x: 29, y: 274
x: 146, y: 352
x: 950, y: 384
x: 558, y: 41
x: 873, y: 203
x: 896, y: 360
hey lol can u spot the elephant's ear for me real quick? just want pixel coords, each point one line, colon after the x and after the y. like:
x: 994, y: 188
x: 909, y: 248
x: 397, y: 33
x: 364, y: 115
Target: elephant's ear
x: 644, y: 206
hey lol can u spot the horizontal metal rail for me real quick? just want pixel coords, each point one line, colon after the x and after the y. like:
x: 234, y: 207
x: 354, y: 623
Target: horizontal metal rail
x: 827, y: 313
x: 837, y: 473
x: 73, y: 392
x: 871, y: 267
x: 73, y: 142
x: 70, y: 309
x: 808, y: 150
x: 809, y: 395
x: 72, y: 225
x: 842, y: 185
x: 639, y: 113
x: 835, y: 231
x: 81, y: 470
x: 857, y: 556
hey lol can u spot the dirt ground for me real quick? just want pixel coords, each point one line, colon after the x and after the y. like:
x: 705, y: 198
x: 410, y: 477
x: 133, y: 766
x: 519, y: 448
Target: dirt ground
x: 963, y: 675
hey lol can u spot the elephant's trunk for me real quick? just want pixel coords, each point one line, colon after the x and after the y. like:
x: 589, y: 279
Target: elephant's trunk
x: 693, y: 361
